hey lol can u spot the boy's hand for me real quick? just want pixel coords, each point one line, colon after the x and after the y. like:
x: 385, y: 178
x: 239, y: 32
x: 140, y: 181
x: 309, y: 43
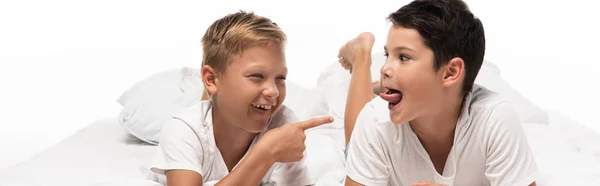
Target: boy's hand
x: 356, y: 48
x: 426, y: 183
x: 286, y: 143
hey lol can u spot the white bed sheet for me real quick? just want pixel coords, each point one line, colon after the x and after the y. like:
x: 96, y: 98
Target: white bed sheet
x: 568, y: 153
x: 101, y: 152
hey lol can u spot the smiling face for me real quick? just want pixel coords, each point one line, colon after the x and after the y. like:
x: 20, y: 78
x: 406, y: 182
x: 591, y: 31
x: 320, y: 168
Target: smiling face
x: 252, y: 87
x: 413, y: 87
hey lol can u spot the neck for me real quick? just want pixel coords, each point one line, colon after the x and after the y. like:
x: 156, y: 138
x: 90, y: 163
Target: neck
x: 233, y: 142
x: 438, y: 128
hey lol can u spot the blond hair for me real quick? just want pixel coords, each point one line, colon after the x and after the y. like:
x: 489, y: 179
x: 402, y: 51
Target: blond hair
x: 230, y: 35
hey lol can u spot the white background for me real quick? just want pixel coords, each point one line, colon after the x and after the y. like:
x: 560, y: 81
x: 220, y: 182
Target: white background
x: 63, y: 63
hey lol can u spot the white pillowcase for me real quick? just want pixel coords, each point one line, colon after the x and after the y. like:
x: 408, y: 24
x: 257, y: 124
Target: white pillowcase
x: 334, y: 81
x: 150, y: 103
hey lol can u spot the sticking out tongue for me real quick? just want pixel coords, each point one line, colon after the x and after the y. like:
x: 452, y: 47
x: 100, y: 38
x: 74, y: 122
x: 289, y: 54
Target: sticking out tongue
x: 392, y: 96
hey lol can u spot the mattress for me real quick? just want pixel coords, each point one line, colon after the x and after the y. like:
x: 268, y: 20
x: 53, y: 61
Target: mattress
x: 104, y: 154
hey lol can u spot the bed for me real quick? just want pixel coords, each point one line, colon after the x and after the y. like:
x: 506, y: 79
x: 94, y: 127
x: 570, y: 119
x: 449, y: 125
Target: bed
x: 108, y: 152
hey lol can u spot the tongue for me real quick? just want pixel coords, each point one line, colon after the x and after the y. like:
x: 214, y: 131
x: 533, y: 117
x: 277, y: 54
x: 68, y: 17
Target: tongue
x: 392, y: 98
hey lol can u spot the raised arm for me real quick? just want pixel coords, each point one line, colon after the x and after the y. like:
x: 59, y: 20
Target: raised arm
x: 284, y: 144
x: 355, y: 56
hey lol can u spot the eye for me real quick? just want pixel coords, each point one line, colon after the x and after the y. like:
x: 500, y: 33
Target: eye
x: 256, y: 76
x: 404, y: 58
x: 280, y: 80
x: 386, y: 55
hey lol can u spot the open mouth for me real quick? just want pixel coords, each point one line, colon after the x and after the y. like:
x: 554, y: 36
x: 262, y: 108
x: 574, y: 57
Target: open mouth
x: 262, y: 107
x: 392, y: 96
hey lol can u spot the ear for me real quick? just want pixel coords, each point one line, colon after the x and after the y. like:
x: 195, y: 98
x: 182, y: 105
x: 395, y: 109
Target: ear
x: 454, y: 72
x: 209, y: 78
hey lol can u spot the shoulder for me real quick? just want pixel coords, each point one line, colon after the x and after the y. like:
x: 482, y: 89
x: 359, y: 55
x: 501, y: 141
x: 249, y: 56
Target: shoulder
x: 491, y: 112
x: 194, y: 114
x: 508, y: 157
x: 188, y: 125
x: 487, y: 105
x: 376, y: 111
x: 369, y: 151
x: 483, y: 98
x: 374, y: 123
x: 186, y: 141
x: 197, y: 117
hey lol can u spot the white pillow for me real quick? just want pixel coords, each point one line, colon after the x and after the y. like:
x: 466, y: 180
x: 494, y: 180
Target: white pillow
x: 334, y: 81
x: 150, y: 103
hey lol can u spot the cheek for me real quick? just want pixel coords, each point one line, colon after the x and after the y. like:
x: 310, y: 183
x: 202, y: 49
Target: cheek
x: 418, y: 85
x: 232, y: 95
x: 226, y: 99
x: 282, y: 94
x: 411, y: 80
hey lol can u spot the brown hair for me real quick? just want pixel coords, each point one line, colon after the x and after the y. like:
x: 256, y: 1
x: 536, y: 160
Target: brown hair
x: 230, y: 35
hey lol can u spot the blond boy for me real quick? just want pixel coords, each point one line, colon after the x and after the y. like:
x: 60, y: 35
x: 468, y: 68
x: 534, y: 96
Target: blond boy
x: 240, y: 135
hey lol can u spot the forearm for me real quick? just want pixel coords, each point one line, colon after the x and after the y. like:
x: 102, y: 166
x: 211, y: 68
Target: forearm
x: 250, y: 171
x: 359, y: 93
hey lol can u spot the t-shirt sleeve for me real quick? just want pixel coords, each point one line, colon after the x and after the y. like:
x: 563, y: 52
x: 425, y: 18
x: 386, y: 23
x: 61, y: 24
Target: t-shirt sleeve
x: 509, y: 159
x: 364, y: 162
x: 179, y: 148
x: 293, y: 173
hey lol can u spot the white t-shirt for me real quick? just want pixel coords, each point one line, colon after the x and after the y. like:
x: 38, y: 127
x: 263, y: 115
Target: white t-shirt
x: 187, y: 142
x: 490, y: 147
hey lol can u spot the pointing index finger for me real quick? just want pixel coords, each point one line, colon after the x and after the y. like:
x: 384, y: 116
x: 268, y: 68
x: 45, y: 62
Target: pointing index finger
x: 315, y: 122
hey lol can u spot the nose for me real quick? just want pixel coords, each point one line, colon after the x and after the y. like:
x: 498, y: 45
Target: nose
x: 386, y: 70
x: 271, y: 90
